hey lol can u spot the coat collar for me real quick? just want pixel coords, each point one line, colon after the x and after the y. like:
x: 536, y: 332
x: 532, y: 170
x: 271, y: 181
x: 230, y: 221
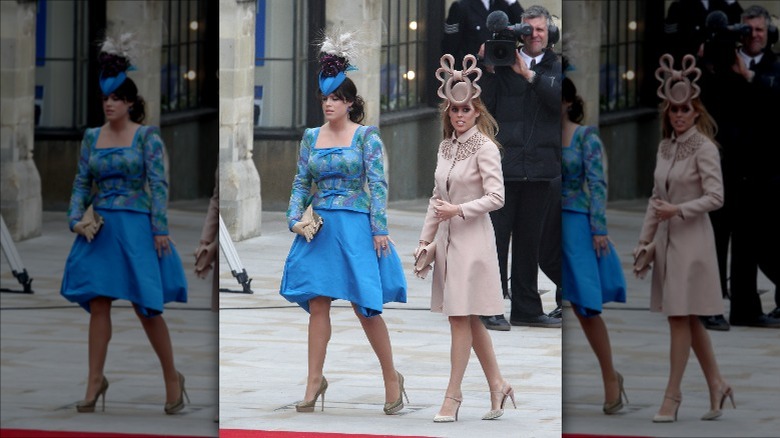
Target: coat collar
x: 466, y: 135
x: 685, y: 135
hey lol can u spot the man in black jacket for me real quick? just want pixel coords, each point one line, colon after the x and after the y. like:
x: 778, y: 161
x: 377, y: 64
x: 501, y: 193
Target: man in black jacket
x: 465, y: 29
x: 525, y: 99
x: 742, y: 96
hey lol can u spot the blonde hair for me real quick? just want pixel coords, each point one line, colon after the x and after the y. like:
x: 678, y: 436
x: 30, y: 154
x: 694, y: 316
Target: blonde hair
x: 485, y: 123
x: 704, y: 122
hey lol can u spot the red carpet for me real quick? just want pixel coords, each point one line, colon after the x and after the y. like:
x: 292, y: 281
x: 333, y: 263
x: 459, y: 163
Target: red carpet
x: 26, y: 433
x: 240, y: 433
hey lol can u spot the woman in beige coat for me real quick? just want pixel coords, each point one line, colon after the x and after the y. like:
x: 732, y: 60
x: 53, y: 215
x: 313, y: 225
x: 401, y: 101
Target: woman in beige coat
x: 466, y: 282
x: 688, y: 185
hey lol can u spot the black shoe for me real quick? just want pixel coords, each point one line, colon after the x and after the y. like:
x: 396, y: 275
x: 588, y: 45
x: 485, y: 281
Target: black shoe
x: 759, y: 321
x: 557, y: 313
x: 539, y: 321
x: 715, y: 322
x: 775, y: 313
x: 496, y: 322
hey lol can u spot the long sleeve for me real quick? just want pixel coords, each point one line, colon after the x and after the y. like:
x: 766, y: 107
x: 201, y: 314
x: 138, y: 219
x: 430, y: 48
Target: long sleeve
x: 593, y: 170
x: 430, y: 223
x: 301, y: 185
x: 373, y: 163
x: 489, y: 163
x: 82, y: 183
x: 154, y: 162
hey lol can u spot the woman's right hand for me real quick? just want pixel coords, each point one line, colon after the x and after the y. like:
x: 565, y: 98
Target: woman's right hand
x: 420, y: 247
x: 302, y: 228
x: 86, y: 230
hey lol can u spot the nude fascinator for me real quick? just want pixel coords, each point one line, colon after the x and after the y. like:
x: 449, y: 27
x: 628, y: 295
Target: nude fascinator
x: 456, y: 86
x: 678, y: 86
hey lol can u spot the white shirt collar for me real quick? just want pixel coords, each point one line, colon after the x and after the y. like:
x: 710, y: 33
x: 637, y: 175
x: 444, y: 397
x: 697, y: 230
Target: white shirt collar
x: 747, y: 58
x: 527, y: 59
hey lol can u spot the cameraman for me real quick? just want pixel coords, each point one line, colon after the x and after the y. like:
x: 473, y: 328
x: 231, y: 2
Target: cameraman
x: 525, y: 99
x: 743, y: 95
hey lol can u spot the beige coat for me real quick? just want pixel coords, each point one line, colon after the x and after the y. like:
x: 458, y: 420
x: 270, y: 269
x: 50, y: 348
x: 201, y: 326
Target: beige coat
x: 466, y: 280
x: 685, y: 270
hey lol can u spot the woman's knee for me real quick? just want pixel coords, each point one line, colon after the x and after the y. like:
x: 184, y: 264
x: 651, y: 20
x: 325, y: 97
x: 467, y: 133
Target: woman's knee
x: 100, y: 306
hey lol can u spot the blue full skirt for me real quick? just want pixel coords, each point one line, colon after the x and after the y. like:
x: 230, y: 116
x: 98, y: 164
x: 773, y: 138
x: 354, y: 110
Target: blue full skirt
x: 121, y: 263
x: 588, y: 281
x: 341, y: 263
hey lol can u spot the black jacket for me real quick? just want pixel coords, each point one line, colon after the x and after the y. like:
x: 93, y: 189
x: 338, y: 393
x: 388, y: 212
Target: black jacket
x: 465, y: 29
x: 529, y: 119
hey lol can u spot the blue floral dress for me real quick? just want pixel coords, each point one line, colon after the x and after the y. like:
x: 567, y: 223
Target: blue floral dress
x: 340, y: 262
x: 121, y: 261
x: 588, y: 280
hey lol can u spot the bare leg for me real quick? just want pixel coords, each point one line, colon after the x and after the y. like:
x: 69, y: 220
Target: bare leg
x: 379, y: 338
x: 679, y: 352
x: 702, y: 347
x: 460, y: 349
x: 319, y: 336
x: 598, y: 337
x: 483, y: 347
x: 99, y: 336
x: 157, y: 331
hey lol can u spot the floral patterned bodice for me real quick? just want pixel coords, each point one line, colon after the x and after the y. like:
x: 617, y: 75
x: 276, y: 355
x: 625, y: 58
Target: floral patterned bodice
x: 340, y: 175
x: 121, y: 174
x: 584, y: 188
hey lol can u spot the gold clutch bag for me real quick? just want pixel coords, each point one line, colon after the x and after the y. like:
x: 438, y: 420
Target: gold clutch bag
x: 309, y: 215
x: 643, y: 258
x: 423, y: 261
x: 92, y: 219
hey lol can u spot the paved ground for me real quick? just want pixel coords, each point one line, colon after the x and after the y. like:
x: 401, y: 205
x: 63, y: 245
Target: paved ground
x: 262, y: 351
x: 43, y: 342
x: 748, y: 360
x: 263, y: 356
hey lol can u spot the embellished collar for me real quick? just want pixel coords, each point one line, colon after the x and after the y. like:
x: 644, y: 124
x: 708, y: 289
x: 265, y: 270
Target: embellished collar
x: 685, y: 135
x: 465, y: 136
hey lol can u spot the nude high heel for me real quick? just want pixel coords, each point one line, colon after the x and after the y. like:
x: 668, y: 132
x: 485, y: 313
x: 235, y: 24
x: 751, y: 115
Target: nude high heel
x: 715, y: 413
x: 615, y: 406
x: 308, y: 406
x: 89, y: 405
x: 669, y: 418
x: 174, y: 407
x: 393, y: 407
x: 506, y: 391
x: 448, y: 418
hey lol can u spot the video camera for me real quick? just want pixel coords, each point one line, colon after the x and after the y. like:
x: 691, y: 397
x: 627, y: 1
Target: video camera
x: 502, y: 48
x: 722, y: 39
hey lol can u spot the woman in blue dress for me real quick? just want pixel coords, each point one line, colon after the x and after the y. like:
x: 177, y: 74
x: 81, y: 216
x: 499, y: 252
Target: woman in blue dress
x: 131, y: 257
x: 351, y: 257
x: 592, y: 274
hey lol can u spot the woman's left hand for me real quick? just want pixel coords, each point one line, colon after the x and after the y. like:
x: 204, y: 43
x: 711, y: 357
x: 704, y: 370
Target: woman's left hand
x: 664, y: 210
x: 601, y: 245
x: 444, y: 211
x: 382, y: 245
x: 162, y: 246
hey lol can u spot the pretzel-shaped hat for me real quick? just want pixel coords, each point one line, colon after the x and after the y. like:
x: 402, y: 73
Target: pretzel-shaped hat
x: 675, y: 86
x: 455, y: 84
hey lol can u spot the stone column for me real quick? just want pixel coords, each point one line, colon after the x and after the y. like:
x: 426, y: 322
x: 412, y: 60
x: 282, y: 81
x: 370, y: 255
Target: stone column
x: 145, y: 20
x: 239, y: 181
x: 20, y: 197
x: 582, y: 47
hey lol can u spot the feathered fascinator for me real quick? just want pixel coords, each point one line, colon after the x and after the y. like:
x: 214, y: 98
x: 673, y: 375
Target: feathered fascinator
x: 336, y: 52
x: 115, y: 59
x: 676, y: 87
x: 455, y: 84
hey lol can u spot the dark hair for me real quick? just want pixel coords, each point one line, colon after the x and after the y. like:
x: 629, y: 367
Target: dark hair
x: 347, y: 92
x: 569, y: 94
x: 128, y: 92
x: 757, y: 11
